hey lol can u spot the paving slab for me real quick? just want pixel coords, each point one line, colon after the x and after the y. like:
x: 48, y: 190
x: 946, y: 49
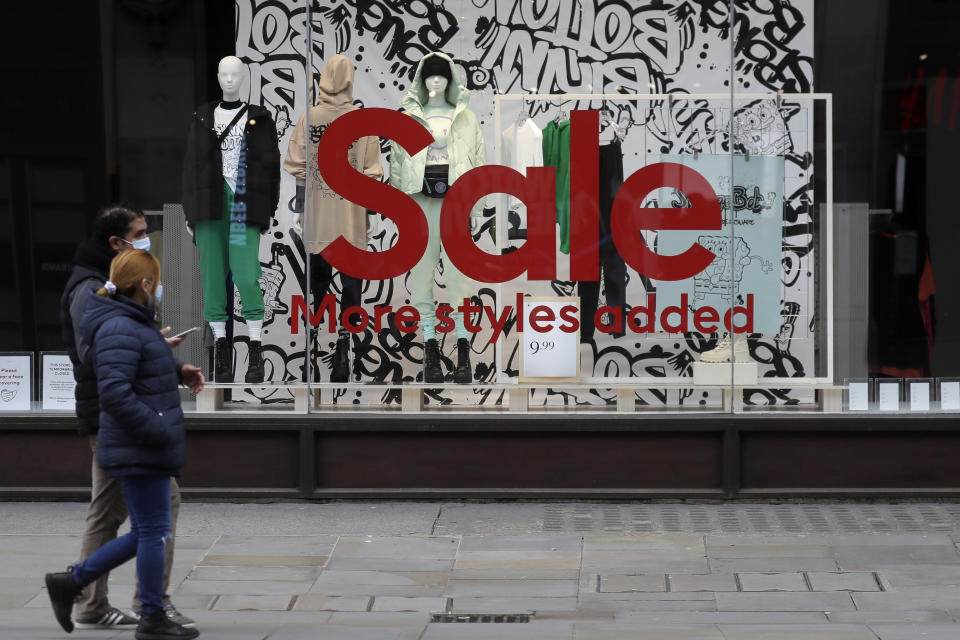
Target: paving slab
x: 877, y: 617
x: 797, y: 632
x: 503, y: 631
x: 516, y: 574
x: 441, y: 547
x: 280, y: 574
x: 642, y: 631
x: 517, y: 559
x: 846, y: 581
x: 508, y: 588
x: 771, y: 564
x: 898, y: 576
x: 871, y: 558
x: 314, y: 602
x: 398, y: 603
x: 252, y: 603
x: 838, y: 601
x: 772, y: 582
x: 680, y: 582
x: 940, y: 598
x: 728, y: 617
x: 389, y: 564
x: 397, y: 619
x: 631, y: 583
x: 261, y: 560
x: 242, y: 587
x: 511, y: 605
x: 917, y: 631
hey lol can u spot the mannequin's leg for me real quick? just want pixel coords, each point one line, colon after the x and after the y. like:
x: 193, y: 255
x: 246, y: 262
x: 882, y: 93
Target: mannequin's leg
x: 459, y: 287
x: 422, y: 275
x: 211, y: 239
x: 244, y: 248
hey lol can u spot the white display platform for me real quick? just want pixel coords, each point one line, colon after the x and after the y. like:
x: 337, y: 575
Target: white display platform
x: 710, y: 374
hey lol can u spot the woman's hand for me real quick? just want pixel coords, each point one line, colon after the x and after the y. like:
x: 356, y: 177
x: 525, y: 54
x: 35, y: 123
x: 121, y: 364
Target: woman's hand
x: 192, y: 377
x: 172, y: 341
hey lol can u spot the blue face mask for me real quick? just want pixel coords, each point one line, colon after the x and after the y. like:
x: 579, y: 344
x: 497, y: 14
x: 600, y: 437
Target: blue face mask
x: 158, y: 295
x: 140, y: 243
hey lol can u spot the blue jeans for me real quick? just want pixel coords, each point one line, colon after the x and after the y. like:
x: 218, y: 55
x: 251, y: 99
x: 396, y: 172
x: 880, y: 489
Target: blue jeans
x: 148, y: 500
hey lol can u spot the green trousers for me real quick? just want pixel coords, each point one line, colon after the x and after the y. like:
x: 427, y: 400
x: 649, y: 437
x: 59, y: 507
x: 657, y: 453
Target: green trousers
x: 234, y: 246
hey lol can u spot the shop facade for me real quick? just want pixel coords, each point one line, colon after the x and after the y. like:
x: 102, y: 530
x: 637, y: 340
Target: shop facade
x: 509, y: 249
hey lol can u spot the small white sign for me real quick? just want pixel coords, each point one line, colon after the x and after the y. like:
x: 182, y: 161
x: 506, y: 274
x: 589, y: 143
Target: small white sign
x: 58, y: 382
x: 919, y: 396
x: 858, y: 396
x: 550, y: 341
x: 15, y: 389
x: 950, y: 396
x: 889, y: 396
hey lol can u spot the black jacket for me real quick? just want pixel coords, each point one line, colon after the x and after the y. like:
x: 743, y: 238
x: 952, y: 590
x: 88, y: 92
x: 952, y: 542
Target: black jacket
x: 258, y: 179
x: 91, y: 269
x: 141, y: 422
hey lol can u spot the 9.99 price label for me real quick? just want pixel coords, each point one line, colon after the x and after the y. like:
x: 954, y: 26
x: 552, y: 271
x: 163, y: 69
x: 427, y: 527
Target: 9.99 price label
x: 549, y: 349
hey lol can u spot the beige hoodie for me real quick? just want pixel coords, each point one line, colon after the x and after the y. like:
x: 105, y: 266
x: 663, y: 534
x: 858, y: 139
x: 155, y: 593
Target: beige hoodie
x: 330, y: 215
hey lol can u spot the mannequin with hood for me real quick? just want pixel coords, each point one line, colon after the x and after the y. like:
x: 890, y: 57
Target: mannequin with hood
x: 231, y: 187
x: 438, y: 100
x: 330, y: 215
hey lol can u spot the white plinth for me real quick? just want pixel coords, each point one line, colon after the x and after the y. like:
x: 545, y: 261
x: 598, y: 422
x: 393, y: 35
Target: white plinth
x: 711, y: 374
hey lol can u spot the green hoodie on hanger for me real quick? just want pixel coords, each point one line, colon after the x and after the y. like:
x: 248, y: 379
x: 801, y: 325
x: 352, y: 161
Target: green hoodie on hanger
x: 556, y: 153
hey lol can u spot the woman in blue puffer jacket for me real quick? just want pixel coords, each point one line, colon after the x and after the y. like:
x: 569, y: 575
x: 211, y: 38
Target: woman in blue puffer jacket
x: 141, y: 435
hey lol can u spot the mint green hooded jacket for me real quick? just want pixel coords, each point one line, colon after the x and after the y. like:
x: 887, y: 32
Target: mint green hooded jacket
x: 465, y: 147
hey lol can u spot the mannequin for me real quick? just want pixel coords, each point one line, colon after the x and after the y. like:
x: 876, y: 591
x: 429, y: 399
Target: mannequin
x: 439, y: 101
x: 331, y: 216
x: 231, y: 187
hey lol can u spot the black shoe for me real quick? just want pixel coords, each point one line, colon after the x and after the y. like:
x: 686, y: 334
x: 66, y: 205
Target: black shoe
x: 223, y: 361
x: 431, y: 362
x: 63, y: 590
x: 341, y: 361
x: 157, y: 626
x: 255, y: 363
x: 464, y: 372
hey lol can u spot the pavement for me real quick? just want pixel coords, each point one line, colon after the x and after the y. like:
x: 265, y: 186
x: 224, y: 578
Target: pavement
x: 530, y: 571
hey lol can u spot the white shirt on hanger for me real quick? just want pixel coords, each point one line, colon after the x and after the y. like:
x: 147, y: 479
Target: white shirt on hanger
x: 523, y: 148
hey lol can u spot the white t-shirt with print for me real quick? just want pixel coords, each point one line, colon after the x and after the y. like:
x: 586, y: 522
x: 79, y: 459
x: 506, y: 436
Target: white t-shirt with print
x: 230, y: 147
x: 439, y: 119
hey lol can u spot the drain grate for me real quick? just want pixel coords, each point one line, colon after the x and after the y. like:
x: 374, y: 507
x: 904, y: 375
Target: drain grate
x: 753, y: 518
x: 494, y: 618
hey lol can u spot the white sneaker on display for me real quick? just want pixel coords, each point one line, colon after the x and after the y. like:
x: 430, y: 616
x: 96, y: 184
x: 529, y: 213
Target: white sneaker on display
x: 722, y: 352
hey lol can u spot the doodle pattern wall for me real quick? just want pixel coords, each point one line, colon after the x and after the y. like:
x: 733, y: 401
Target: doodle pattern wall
x: 550, y: 46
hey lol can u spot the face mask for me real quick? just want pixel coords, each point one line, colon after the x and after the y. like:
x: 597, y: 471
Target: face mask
x: 140, y: 243
x: 159, y: 293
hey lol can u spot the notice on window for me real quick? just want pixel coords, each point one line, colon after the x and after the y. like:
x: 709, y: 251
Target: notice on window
x: 858, y: 396
x: 550, y: 338
x: 919, y: 396
x: 15, y: 388
x: 950, y: 396
x: 58, y: 382
x: 888, y: 396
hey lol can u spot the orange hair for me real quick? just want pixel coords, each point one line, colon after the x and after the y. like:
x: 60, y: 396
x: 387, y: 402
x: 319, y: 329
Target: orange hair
x: 129, y: 268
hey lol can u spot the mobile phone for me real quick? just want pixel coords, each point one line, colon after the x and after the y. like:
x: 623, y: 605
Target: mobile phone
x: 187, y: 332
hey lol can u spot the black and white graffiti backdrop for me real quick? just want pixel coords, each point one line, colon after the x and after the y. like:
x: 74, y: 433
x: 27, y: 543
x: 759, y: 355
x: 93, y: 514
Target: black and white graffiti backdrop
x: 680, y: 47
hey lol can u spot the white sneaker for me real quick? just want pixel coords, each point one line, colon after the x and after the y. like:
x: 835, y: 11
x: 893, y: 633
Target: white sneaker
x: 721, y: 353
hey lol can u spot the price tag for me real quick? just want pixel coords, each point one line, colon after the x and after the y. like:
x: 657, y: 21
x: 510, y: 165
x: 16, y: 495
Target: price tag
x: 858, y: 396
x: 550, y: 341
x: 919, y: 396
x: 889, y: 396
x: 950, y: 396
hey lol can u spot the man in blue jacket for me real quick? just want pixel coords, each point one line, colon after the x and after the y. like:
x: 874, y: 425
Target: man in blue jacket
x: 116, y: 228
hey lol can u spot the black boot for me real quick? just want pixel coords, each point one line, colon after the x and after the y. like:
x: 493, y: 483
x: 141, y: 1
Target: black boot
x: 255, y: 362
x: 341, y: 361
x: 223, y: 361
x: 63, y: 590
x: 157, y: 626
x: 431, y: 362
x: 464, y: 372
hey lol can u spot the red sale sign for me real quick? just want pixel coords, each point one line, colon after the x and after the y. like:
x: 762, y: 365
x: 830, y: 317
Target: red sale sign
x: 536, y: 259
